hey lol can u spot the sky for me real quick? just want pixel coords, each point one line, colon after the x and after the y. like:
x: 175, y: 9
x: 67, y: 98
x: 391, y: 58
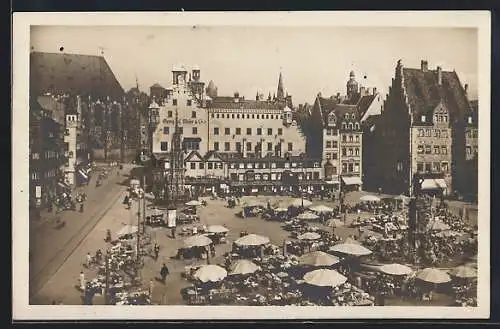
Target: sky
x: 249, y: 59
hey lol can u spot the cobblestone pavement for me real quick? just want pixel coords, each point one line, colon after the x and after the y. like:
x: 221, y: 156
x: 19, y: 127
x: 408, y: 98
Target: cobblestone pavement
x: 50, y: 247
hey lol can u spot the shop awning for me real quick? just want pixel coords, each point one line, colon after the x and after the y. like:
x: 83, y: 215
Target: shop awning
x: 429, y: 184
x: 63, y: 185
x: 331, y: 182
x: 441, y: 183
x: 83, y: 174
x: 191, y: 139
x: 355, y: 180
x: 79, y: 161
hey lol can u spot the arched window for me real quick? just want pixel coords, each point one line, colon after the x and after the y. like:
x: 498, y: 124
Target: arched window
x: 258, y: 116
x: 237, y: 116
x: 353, y: 116
x: 346, y: 116
x: 350, y: 125
x: 248, y: 116
x: 356, y: 126
x: 344, y: 126
x: 272, y: 116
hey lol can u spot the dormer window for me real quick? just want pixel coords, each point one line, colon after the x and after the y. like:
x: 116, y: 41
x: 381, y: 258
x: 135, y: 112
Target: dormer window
x: 332, y: 120
x: 350, y: 126
x: 356, y: 126
x: 353, y: 116
x: 470, y: 120
x: 422, y: 118
x: 347, y: 116
x: 344, y: 126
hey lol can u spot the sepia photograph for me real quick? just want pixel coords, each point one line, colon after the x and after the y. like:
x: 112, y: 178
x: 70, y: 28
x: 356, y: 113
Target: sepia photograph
x: 251, y: 165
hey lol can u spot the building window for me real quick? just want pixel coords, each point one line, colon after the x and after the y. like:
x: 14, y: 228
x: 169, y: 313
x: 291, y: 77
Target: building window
x: 436, y: 166
x: 202, y: 165
x: 166, y: 130
x: 195, y: 130
x: 316, y: 175
x: 232, y: 116
x: 164, y: 146
x: 216, y: 131
x: 193, y: 165
x: 181, y: 130
x: 227, y: 131
x: 174, y: 102
x: 420, y: 149
x: 344, y: 138
x: 249, y: 131
x: 356, y: 126
x: 193, y: 113
x: 269, y: 131
x: 249, y: 165
x: 428, y: 132
x: 474, y: 133
x: 421, y: 133
x: 280, y: 131
x: 238, y: 131
x: 468, y: 150
x: 351, y: 138
x: 445, y: 118
x: 259, y: 131
x: 356, y: 167
x: 216, y: 146
x: 334, y: 156
x: 328, y: 156
x: 212, y: 115
x: 226, y: 146
x: 328, y: 144
x: 232, y: 166
x: 422, y: 118
x: 420, y: 167
x: 335, y: 144
x: 344, y: 151
x: 210, y: 165
x: 344, y: 168
x: 357, y: 138
x: 428, y: 167
x: 428, y: 149
x: 290, y: 147
x: 344, y: 126
x: 270, y: 146
x: 249, y: 146
x: 287, y: 165
x: 444, y: 149
x: 238, y: 147
x: 444, y: 167
x: 328, y: 131
x: 241, y: 165
x: 237, y: 116
x: 273, y: 165
x: 264, y: 165
x: 350, y: 125
x: 257, y: 165
x: 356, y: 151
x: 169, y: 114
x: 350, y: 151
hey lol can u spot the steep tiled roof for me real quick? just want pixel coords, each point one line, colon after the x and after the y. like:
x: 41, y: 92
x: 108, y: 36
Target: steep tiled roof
x: 214, y: 153
x: 71, y: 73
x: 157, y: 85
x: 364, y: 103
x: 229, y: 103
x: 56, y: 107
x: 331, y: 104
x: 424, y: 93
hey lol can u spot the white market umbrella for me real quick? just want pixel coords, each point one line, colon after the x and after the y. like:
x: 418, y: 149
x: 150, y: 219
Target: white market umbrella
x: 324, y: 278
x: 321, y: 208
x: 351, y: 249
x: 254, y: 203
x: 126, y: 230
x: 463, y: 272
x: 217, y: 229
x: 197, y: 241
x: 301, y: 202
x: 307, y: 216
x: 334, y: 223
x: 309, y: 236
x: 433, y: 275
x: 193, y: 203
x: 396, y: 269
x: 318, y: 258
x: 369, y: 198
x: 244, y: 266
x: 212, y: 273
x: 252, y: 240
x: 437, y: 225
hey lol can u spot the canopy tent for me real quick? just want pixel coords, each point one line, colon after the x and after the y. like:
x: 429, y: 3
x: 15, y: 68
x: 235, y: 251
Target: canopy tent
x: 448, y: 234
x: 126, y: 230
x: 324, y: 278
x: 463, y: 271
x: 433, y: 184
x: 217, y: 229
x: 307, y: 216
x: 351, y: 249
x: 396, y: 269
x: 254, y: 203
x: 309, y: 236
x: 318, y: 258
x: 433, y: 275
x: 243, y: 267
x: 193, y: 203
x: 210, y: 273
x: 197, y: 241
x: 83, y: 174
x: 252, y: 240
x: 300, y: 203
x: 321, y: 208
x: 354, y: 180
x: 369, y: 198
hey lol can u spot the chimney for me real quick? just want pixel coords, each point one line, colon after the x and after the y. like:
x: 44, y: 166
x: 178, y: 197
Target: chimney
x: 362, y: 90
x: 236, y: 97
x: 424, y: 66
x: 79, y: 105
x: 466, y: 89
x: 439, y: 75
x: 374, y: 91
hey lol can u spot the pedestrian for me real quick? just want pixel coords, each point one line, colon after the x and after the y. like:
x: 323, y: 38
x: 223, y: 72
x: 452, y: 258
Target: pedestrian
x: 172, y: 231
x: 212, y: 249
x: 82, y: 281
x: 156, y: 251
x: 88, y: 260
x: 164, y: 272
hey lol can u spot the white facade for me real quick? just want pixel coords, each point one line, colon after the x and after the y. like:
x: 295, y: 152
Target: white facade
x: 70, y: 140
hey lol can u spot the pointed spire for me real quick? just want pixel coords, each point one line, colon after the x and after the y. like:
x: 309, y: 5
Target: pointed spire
x: 281, y: 92
x: 136, y: 82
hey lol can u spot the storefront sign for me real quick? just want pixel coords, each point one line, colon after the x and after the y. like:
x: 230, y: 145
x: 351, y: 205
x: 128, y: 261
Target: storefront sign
x: 38, y: 192
x: 186, y: 121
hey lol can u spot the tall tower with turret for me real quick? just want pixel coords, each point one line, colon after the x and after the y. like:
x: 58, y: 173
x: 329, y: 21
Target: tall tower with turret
x: 175, y: 175
x: 352, y: 86
x: 280, y: 94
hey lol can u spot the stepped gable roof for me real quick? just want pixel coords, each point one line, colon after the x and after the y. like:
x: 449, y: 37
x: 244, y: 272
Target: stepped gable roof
x: 424, y: 93
x: 73, y: 73
x: 364, y: 103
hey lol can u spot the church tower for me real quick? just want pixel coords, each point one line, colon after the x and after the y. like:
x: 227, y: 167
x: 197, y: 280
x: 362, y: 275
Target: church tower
x: 352, y: 86
x: 280, y: 94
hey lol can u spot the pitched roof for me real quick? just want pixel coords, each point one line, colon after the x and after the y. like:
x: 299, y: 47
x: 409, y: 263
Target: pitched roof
x: 364, y: 103
x: 215, y: 154
x: 229, y: 103
x: 193, y: 154
x: 72, y: 73
x: 329, y: 105
x: 56, y: 107
x: 424, y: 93
x: 157, y: 85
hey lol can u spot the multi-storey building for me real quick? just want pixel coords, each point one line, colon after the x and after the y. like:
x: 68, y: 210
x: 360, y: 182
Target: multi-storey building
x: 185, y: 97
x: 259, y: 127
x: 45, y: 155
x: 422, y: 130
